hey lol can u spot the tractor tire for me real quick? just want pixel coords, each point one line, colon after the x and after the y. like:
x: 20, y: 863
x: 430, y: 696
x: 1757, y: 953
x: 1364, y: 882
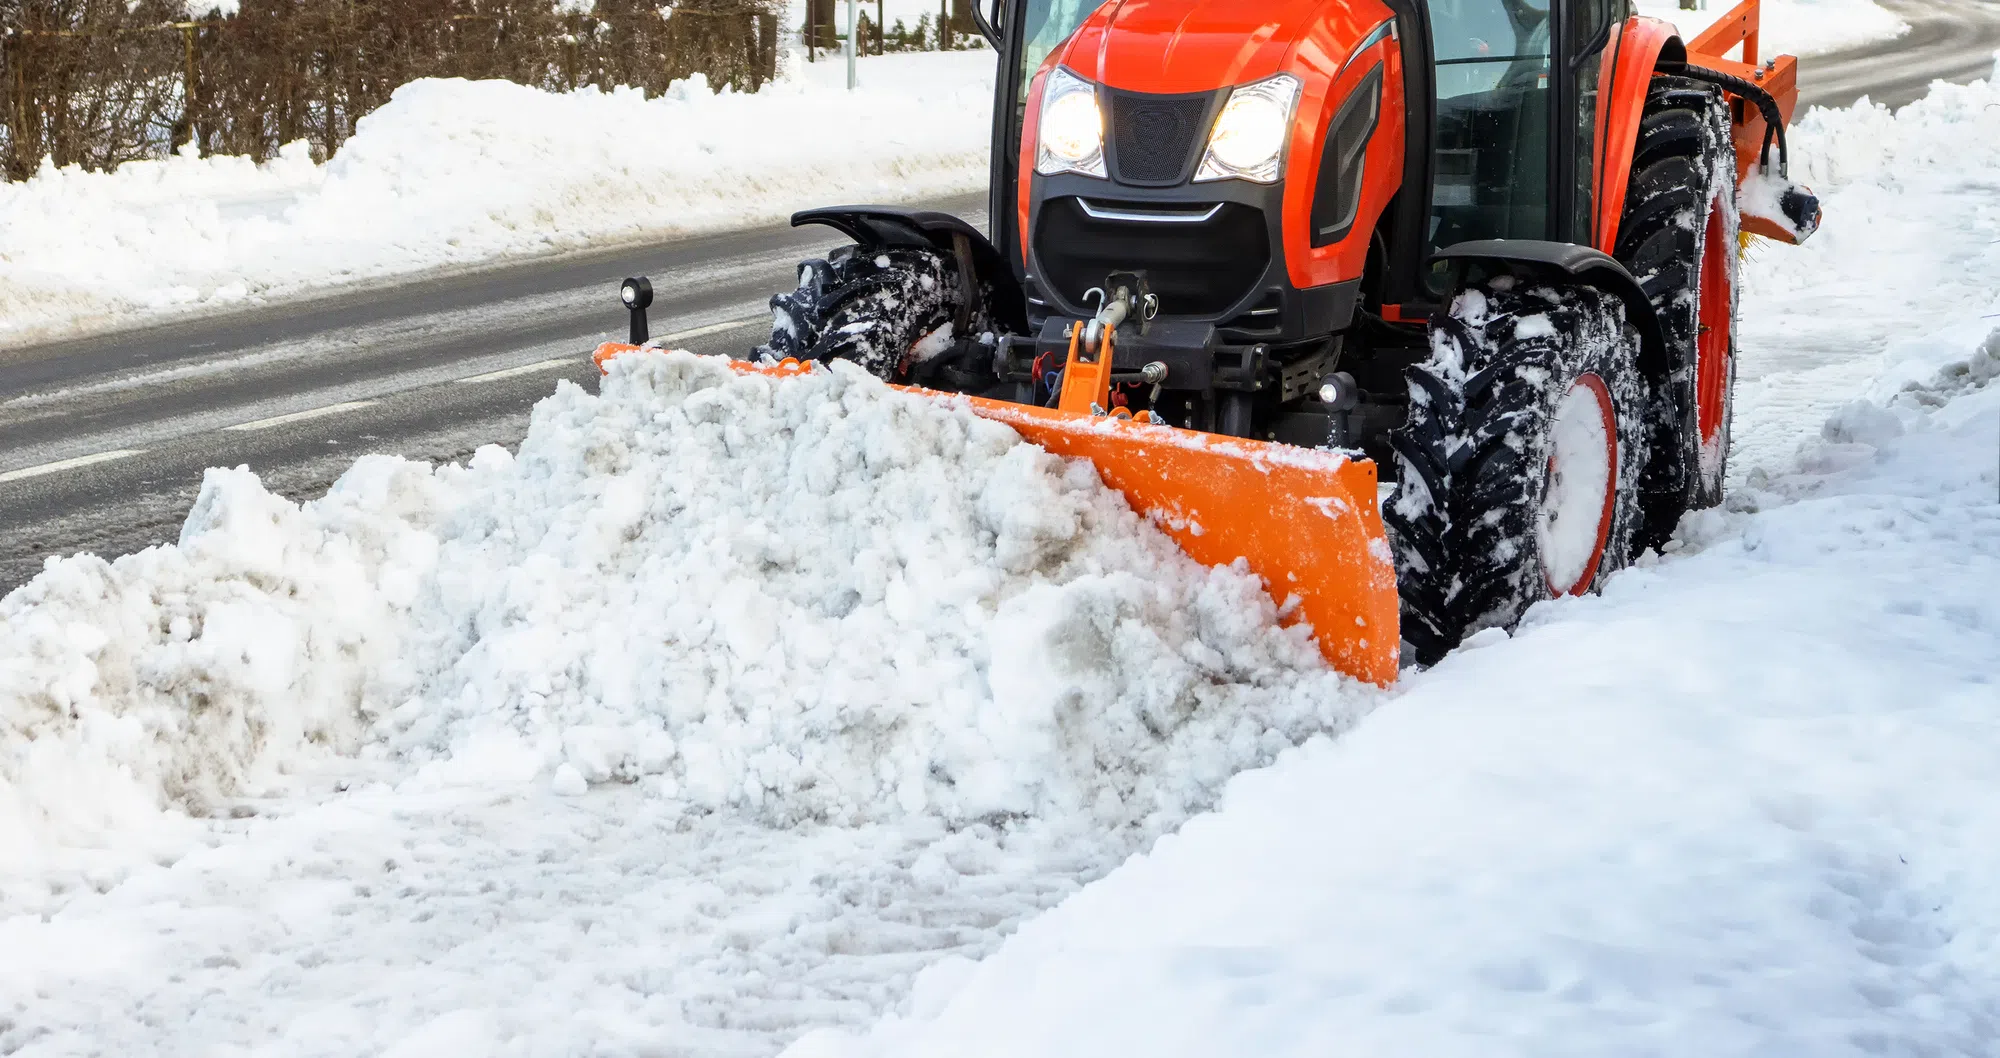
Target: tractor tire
x: 885, y: 310
x: 1678, y: 237
x: 1519, y: 465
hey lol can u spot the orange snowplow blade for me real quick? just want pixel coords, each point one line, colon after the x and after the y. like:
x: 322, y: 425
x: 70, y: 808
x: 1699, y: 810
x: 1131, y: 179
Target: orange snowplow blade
x: 1305, y: 521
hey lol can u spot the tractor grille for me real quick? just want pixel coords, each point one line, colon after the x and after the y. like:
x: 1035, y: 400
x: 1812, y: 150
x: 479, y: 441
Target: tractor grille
x: 1153, y: 138
x: 1198, y: 270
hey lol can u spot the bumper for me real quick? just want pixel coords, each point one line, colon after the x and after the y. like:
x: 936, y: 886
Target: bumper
x: 1213, y: 253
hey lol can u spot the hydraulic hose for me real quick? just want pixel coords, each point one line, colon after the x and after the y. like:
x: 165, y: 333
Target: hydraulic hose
x: 1766, y: 104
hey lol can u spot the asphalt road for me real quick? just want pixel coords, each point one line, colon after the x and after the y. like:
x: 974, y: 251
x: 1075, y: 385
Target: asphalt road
x: 103, y: 440
x: 1949, y: 40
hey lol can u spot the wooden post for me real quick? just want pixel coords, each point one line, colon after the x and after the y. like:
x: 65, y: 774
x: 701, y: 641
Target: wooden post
x: 190, y: 90
x: 17, y: 112
x: 26, y: 134
x: 767, y: 25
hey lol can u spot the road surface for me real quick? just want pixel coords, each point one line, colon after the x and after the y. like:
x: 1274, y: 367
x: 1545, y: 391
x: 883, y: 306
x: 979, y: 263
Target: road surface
x: 103, y: 440
x: 1949, y: 40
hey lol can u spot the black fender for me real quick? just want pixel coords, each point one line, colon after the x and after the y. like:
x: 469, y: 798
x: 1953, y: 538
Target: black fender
x: 1565, y: 261
x: 874, y: 227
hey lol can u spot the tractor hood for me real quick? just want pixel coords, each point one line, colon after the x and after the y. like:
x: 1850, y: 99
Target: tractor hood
x: 1182, y: 46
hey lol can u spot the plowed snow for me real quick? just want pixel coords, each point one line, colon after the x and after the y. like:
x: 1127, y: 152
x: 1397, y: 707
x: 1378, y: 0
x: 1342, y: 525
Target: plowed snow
x: 808, y: 601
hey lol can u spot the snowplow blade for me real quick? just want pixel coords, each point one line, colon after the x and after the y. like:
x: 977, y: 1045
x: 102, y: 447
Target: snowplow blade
x: 1305, y: 521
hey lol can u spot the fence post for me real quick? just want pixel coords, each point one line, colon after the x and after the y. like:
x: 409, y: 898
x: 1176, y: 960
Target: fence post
x: 853, y: 44
x: 23, y: 142
x: 190, y: 90
x: 11, y: 118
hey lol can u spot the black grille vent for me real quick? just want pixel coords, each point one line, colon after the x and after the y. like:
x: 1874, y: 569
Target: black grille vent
x: 1153, y: 138
x: 1196, y: 269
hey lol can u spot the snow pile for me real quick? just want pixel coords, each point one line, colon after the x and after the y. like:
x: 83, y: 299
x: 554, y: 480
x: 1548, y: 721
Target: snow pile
x: 454, y: 173
x: 819, y: 599
x: 1742, y: 804
x: 194, y: 674
x: 811, y: 600
x: 1909, y: 224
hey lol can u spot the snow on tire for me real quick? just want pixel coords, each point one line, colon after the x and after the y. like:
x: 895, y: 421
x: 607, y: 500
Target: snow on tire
x: 884, y: 309
x: 1678, y: 237
x: 1519, y: 465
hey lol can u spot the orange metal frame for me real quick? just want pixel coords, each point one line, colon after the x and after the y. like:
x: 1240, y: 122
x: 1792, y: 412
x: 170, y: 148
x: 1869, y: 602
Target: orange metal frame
x: 1642, y: 45
x: 1779, y: 76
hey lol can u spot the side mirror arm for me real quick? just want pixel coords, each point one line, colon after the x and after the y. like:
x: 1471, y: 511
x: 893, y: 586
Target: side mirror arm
x: 989, y: 28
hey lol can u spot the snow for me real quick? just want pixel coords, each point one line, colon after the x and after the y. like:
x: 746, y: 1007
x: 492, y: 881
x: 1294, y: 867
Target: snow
x: 451, y: 174
x: 1582, y: 463
x: 1909, y: 234
x: 740, y: 672
x: 1794, y: 27
x: 1741, y: 803
x: 811, y: 601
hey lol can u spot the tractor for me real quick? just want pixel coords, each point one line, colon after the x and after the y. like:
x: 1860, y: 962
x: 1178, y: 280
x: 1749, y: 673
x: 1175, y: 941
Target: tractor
x: 1245, y: 252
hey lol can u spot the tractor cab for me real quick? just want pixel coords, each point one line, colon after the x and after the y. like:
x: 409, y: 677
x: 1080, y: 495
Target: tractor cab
x: 1493, y: 96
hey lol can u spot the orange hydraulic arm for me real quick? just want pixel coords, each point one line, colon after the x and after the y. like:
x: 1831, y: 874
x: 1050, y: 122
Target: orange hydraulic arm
x: 1779, y: 76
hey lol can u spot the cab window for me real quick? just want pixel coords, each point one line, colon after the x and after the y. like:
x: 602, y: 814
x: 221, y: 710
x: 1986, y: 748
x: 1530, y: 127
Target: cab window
x: 1492, y: 137
x: 1047, y: 24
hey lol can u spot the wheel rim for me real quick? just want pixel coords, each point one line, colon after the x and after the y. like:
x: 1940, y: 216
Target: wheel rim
x: 1712, y: 342
x: 1575, y: 517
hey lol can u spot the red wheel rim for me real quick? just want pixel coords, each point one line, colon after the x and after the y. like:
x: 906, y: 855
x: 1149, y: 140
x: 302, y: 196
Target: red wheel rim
x: 1711, y: 384
x: 1560, y: 570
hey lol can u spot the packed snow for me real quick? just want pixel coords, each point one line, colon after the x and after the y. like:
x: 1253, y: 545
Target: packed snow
x: 1740, y: 804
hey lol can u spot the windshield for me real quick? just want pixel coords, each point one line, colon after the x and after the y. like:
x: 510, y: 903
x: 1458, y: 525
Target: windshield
x: 1048, y: 23
x: 1492, y: 135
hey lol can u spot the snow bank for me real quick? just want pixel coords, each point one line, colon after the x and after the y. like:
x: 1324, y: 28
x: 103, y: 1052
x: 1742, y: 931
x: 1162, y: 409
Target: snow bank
x: 1910, y: 234
x: 190, y: 675
x: 169, y: 674
x: 454, y: 173
x: 1794, y: 27
x: 811, y: 601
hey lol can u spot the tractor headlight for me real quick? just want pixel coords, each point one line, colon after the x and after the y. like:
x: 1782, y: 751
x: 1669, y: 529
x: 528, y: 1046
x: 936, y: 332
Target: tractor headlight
x: 1250, y: 136
x: 1072, y: 127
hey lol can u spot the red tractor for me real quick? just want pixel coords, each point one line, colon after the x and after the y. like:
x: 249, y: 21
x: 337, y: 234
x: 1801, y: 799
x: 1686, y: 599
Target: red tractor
x: 1491, y: 244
